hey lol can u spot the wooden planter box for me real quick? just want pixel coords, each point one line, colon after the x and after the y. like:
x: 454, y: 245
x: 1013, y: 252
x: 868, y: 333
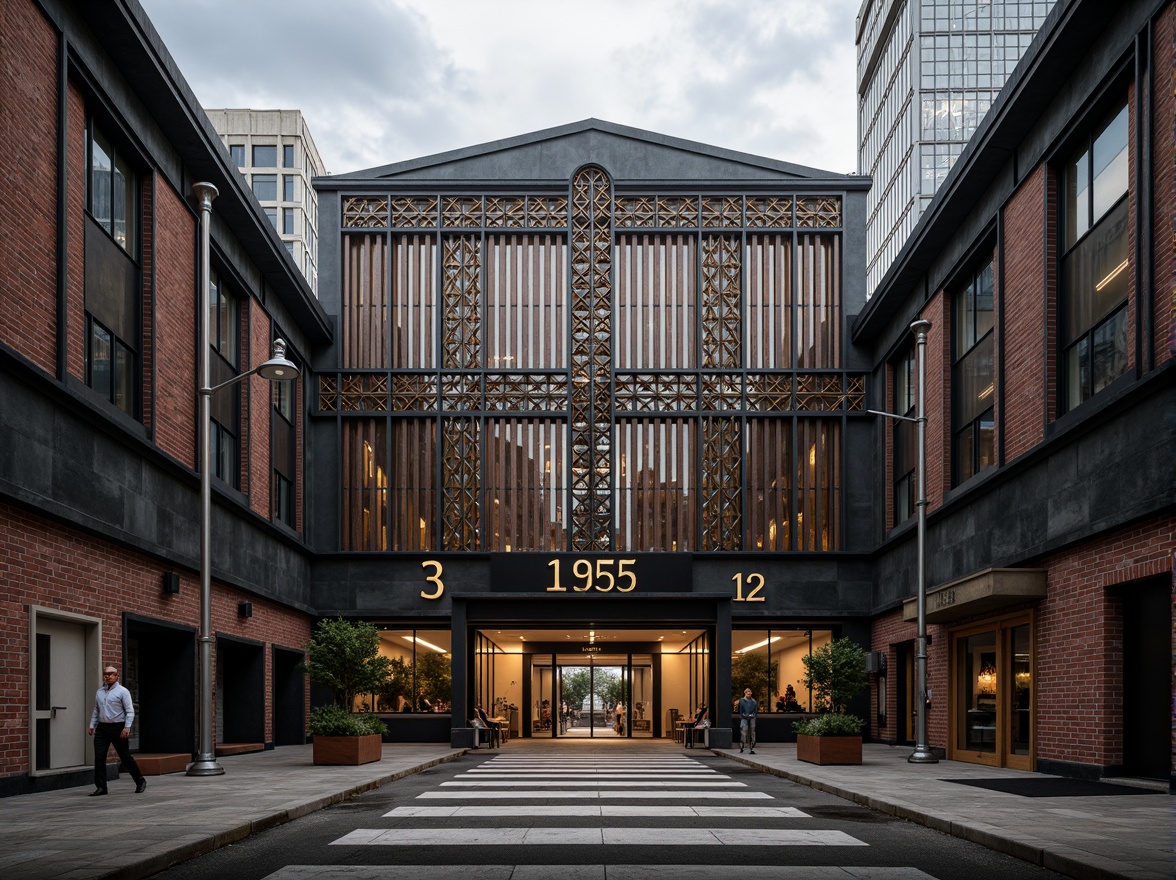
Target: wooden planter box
x: 348, y: 749
x: 829, y: 749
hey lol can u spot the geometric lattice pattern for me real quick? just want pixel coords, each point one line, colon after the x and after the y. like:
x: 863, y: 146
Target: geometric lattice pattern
x: 722, y: 477
x: 656, y: 392
x: 822, y: 212
x: 721, y: 298
x: 461, y: 275
x: 461, y: 462
x: 591, y: 248
x: 526, y: 392
x: 353, y: 392
x: 829, y: 392
x: 364, y: 212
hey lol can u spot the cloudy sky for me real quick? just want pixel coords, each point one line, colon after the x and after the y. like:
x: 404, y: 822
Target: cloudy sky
x: 381, y: 81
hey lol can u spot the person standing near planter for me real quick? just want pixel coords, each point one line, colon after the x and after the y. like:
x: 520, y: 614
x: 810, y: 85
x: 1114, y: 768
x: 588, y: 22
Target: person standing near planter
x: 110, y: 724
x: 748, y: 709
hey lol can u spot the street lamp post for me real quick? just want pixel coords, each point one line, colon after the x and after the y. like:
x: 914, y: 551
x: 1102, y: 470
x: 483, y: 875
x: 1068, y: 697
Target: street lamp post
x: 276, y: 369
x: 922, y: 753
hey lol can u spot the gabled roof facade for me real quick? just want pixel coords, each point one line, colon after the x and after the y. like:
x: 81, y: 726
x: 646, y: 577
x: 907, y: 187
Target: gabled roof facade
x: 629, y: 155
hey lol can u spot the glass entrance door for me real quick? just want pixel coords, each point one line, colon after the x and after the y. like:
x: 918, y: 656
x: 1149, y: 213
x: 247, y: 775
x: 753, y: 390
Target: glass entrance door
x: 993, y: 694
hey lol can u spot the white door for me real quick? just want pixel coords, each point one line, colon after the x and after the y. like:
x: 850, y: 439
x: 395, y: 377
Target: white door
x: 62, y: 713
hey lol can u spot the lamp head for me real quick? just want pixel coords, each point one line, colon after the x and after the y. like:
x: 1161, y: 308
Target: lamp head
x: 277, y: 368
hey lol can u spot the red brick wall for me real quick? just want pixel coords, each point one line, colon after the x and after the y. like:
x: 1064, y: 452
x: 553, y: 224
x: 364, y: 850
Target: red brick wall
x: 176, y: 406
x: 1164, y: 185
x: 257, y: 420
x: 28, y: 208
x: 1023, y: 319
x: 75, y: 188
x: 938, y: 399
x: 1078, y: 626
x: 42, y: 563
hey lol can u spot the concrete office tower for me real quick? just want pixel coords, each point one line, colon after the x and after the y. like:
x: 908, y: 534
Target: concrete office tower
x: 928, y: 70
x: 277, y: 155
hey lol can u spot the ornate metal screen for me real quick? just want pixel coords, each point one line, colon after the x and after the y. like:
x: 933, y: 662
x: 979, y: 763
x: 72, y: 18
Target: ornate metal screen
x: 591, y: 371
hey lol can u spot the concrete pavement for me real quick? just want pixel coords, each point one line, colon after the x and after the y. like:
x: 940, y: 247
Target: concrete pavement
x: 66, y: 835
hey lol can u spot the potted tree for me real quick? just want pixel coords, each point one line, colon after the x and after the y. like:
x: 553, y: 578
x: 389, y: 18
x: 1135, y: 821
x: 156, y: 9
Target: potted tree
x: 836, y: 672
x: 345, y: 657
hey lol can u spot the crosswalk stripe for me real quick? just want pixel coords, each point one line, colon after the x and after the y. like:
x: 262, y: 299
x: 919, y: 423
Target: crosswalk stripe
x: 694, y: 794
x: 598, y: 811
x: 589, y: 872
x: 600, y: 774
x: 601, y: 783
x: 595, y: 836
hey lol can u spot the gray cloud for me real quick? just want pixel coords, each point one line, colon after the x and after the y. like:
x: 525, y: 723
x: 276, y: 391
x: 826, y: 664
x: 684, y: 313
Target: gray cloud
x: 380, y: 82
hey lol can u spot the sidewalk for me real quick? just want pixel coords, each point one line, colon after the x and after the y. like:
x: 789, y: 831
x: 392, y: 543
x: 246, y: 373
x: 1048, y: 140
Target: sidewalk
x: 56, y: 835
x: 1128, y: 836
x: 68, y: 835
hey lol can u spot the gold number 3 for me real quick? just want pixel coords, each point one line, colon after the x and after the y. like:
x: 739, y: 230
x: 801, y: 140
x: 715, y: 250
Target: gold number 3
x: 434, y: 578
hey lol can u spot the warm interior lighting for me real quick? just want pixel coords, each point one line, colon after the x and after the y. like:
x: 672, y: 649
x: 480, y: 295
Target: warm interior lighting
x: 1111, y: 276
x: 986, y: 680
x: 986, y: 393
x: 759, y: 644
x: 426, y: 644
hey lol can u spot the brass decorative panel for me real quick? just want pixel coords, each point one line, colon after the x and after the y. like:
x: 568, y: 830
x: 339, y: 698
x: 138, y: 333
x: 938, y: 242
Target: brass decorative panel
x: 722, y: 477
x: 527, y: 392
x: 855, y: 393
x: 769, y: 212
x: 722, y: 211
x: 657, y: 392
x: 722, y: 391
x: 461, y: 211
x: 363, y: 212
x: 769, y: 392
x: 461, y: 463
x: 547, y: 212
x: 506, y: 212
x: 591, y: 324
x: 820, y: 392
x: 461, y: 303
x: 635, y: 212
x: 677, y: 212
x: 822, y: 212
x: 722, y: 326
x: 414, y: 212
x: 363, y: 392
x: 414, y: 393
x: 328, y: 399
x: 460, y: 392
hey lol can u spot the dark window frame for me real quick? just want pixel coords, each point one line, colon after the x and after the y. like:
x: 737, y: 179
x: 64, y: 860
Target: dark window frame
x: 1092, y: 356
x: 224, y: 344
x: 973, y: 437
x: 903, y: 437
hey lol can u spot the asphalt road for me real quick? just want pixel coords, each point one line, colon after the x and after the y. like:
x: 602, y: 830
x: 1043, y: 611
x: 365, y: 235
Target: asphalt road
x: 587, y: 813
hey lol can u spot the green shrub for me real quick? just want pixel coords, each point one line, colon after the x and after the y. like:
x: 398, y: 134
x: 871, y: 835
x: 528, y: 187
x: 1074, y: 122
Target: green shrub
x: 337, y: 721
x: 830, y: 725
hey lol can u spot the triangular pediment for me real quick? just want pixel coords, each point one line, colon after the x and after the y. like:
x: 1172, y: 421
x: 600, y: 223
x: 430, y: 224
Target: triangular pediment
x: 629, y: 155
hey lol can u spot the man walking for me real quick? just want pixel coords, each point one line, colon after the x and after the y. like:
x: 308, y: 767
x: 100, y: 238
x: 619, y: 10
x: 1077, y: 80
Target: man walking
x: 748, y: 708
x: 110, y: 724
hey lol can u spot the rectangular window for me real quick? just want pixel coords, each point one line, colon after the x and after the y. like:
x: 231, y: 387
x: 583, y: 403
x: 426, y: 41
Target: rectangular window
x: 272, y: 214
x: 904, y: 438
x: 656, y: 493
x: 237, y: 154
x: 283, y: 451
x: 224, y: 341
x: 287, y: 187
x: 1095, y: 264
x: 287, y: 155
x: 526, y: 302
x: 112, y: 280
x: 287, y: 221
x: 974, y: 424
x: 656, y: 302
x: 265, y: 156
x: 265, y: 187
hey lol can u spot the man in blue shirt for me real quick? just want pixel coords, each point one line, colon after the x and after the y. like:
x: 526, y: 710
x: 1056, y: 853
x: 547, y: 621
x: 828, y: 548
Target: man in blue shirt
x: 110, y: 724
x: 748, y: 709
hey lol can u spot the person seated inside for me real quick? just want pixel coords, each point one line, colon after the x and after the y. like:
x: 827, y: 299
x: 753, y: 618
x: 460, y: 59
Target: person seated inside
x: 494, y: 727
x: 788, y: 699
x: 703, y: 714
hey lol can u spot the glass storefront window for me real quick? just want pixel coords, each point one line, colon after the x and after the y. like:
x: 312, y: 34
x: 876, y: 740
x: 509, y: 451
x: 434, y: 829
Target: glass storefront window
x: 421, y: 676
x: 770, y: 662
